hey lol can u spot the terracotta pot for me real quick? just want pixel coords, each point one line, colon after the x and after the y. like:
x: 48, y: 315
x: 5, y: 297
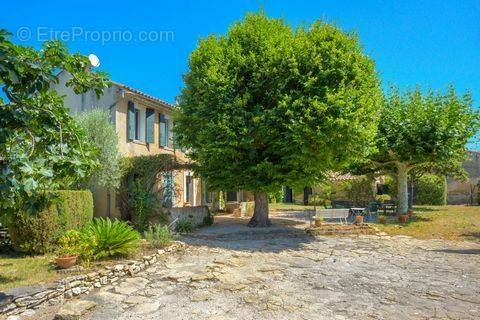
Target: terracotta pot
x: 67, y: 261
x: 318, y: 222
x: 403, y: 218
x: 382, y: 219
x: 358, y: 219
x: 410, y: 213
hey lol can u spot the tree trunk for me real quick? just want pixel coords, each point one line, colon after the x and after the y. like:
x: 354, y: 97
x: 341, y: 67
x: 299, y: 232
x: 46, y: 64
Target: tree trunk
x: 402, y: 188
x: 260, y: 212
x: 410, y: 194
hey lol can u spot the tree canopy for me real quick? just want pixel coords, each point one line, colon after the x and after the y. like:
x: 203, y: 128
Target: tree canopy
x: 423, y: 132
x: 41, y: 146
x: 265, y: 106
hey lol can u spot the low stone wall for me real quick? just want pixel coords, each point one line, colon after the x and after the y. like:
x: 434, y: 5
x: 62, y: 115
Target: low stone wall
x: 343, y: 230
x: 195, y: 215
x: 76, y: 285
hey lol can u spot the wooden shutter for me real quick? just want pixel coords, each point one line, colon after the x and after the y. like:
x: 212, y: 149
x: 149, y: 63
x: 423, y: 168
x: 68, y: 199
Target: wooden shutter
x: 131, y: 121
x: 163, y: 131
x: 149, y: 122
x: 168, y: 189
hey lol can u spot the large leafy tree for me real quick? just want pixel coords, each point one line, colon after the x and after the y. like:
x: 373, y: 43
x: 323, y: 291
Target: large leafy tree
x: 420, y: 133
x: 41, y: 146
x: 265, y: 106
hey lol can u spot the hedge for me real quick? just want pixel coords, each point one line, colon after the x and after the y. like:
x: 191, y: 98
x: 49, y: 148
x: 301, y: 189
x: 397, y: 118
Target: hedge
x: 38, y: 233
x: 431, y: 190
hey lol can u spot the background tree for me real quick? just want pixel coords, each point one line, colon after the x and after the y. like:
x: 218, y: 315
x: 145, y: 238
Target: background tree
x: 41, y: 146
x: 424, y: 132
x: 266, y: 106
x: 100, y: 131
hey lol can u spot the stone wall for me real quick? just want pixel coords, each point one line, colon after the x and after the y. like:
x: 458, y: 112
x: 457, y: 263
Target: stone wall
x: 195, y: 215
x: 69, y: 287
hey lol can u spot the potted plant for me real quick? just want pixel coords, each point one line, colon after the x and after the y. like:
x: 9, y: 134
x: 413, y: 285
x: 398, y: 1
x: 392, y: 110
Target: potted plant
x: 410, y: 213
x: 68, y: 249
x: 318, y: 221
x: 382, y: 219
x: 359, y: 219
x: 403, y: 218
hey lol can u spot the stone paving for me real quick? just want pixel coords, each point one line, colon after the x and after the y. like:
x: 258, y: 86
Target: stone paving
x: 285, y: 274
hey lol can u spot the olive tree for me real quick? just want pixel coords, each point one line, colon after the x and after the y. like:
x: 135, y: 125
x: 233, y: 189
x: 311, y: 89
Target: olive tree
x: 265, y: 106
x: 101, y: 132
x: 423, y: 133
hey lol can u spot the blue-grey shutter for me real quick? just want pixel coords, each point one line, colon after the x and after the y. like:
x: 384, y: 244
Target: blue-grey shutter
x: 150, y: 116
x: 163, y: 130
x: 131, y: 121
x: 168, y: 189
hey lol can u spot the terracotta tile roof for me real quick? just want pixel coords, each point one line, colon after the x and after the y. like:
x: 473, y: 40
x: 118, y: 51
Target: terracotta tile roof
x: 143, y: 94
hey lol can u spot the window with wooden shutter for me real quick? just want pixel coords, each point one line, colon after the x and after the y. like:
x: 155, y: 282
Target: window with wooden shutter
x: 131, y: 121
x: 150, y: 116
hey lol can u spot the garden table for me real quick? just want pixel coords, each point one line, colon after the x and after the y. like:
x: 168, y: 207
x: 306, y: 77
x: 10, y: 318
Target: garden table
x: 358, y: 211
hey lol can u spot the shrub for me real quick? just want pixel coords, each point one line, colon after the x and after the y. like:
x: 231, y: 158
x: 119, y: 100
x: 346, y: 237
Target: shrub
x: 74, y: 208
x: 158, y: 236
x: 208, y: 220
x: 358, y: 190
x: 111, y: 237
x: 383, y: 198
x: 76, y: 242
x: 183, y: 226
x: 275, y: 196
x: 382, y: 219
x: 140, y: 195
x: 431, y: 190
x: 37, y: 233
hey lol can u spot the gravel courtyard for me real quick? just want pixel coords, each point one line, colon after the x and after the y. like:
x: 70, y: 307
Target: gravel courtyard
x: 282, y: 273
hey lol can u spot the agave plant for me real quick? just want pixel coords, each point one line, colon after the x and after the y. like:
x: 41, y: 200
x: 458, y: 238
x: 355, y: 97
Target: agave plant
x: 112, y: 237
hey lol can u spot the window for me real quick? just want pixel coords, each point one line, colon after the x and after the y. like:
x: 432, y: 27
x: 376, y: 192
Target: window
x: 136, y: 123
x: 188, y: 186
x: 231, y: 196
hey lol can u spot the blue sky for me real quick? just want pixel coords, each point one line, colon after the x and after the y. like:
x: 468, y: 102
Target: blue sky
x: 430, y: 43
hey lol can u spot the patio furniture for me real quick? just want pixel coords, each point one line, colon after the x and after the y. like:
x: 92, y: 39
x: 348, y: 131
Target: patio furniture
x: 358, y: 211
x: 389, y: 206
x: 334, y: 214
x: 371, y: 210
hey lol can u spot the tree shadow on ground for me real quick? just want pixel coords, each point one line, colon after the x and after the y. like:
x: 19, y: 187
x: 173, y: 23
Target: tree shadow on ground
x: 232, y: 233
x: 472, y: 235
x: 425, y: 209
x: 459, y: 251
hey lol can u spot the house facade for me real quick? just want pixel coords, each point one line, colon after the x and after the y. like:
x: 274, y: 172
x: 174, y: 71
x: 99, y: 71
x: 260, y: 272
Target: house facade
x: 144, y: 127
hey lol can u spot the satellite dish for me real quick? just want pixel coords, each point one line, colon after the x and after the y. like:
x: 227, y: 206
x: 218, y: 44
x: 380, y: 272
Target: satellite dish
x: 94, y: 61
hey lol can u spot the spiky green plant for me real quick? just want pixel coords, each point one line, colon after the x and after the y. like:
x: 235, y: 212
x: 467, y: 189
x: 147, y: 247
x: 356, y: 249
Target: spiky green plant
x: 112, y: 237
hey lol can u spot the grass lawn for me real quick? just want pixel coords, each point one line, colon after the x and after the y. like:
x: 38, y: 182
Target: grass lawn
x: 442, y: 222
x: 21, y: 270
x: 18, y: 270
